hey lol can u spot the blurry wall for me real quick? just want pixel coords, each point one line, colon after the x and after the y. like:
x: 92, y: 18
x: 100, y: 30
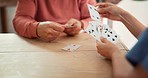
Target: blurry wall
x: 10, y: 15
x: 0, y: 22
x: 137, y: 9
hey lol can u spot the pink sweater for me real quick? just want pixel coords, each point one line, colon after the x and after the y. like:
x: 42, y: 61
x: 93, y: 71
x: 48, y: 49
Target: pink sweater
x: 30, y: 12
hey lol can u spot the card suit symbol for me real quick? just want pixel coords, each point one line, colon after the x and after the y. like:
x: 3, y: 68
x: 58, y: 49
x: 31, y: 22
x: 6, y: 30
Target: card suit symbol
x: 89, y: 32
x: 116, y: 36
x: 106, y: 29
x: 68, y: 49
x: 113, y: 39
x: 90, y: 7
x: 94, y: 35
x: 108, y: 35
x: 92, y: 25
x: 97, y: 17
x: 92, y: 30
x: 96, y: 28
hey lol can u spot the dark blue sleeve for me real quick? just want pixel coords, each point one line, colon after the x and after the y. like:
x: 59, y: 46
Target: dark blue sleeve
x: 144, y: 62
x: 139, y: 53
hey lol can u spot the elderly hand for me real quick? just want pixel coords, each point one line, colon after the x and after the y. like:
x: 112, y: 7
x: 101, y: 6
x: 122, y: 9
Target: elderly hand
x: 75, y: 27
x: 49, y: 31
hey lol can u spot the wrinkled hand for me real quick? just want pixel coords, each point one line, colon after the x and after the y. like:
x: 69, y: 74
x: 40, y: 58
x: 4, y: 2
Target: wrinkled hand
x: 49, y: 31
x: 110, y: 11
x: 106, y: 48
x: 76, y: 27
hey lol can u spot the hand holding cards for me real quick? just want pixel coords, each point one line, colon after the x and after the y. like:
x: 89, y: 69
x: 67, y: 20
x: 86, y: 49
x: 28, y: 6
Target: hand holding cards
x: 96, y: 29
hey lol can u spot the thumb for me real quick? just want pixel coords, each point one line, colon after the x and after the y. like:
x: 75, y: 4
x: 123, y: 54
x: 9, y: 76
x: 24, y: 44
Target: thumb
x: 103, y: 40
x: 71, y: 22
x: 104, y: 10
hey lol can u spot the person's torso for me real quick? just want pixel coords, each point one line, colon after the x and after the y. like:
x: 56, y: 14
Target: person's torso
x: 57, y: 10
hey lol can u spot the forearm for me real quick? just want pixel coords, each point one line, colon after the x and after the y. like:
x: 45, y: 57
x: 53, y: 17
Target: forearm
x: 121, y: 67
x: 25, y: 26
x: 133, y: 25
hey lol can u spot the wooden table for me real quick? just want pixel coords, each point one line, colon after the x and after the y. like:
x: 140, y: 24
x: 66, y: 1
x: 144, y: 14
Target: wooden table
x: 32, y: 58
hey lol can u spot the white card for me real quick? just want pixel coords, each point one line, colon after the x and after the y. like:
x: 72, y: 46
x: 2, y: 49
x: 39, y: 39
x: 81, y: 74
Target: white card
x: 71, y: 47
x: 110, y: 34
x: 94, y: 30
x: 114, y: 36
x: 93, y: 13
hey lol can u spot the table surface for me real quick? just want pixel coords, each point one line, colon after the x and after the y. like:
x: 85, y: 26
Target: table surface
x: 31, y: 58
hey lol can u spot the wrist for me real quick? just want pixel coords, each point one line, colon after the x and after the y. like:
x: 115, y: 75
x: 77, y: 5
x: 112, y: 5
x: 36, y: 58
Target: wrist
x: 82, y: 25
x: 37, y: 30
x: 122, y: 15
x: 115, y: 53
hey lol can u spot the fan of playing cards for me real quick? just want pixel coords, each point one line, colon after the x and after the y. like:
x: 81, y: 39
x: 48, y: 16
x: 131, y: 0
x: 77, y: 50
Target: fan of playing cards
x: 96, y: 29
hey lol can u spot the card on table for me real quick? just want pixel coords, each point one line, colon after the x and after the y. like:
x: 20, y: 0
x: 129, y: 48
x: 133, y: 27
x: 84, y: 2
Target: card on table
x: 71, y: 47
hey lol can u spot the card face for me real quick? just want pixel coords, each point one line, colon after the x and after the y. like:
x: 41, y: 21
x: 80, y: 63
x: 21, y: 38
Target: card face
x: 71, y: 47
x: 93, y: 13
x: 105, y: 32
x: 110, y: 34
x: 114, y: 36
x: 93, y: 29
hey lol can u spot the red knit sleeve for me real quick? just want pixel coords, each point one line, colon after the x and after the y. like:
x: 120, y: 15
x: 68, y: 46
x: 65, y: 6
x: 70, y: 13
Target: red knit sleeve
x: 24, y: 22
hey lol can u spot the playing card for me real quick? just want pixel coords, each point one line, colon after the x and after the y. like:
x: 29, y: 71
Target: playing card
x: 114, y: 36
x: 109, y: 33
x: 71, y: 47
x: 93, y: 13
x: 104, y: 31
x: 93, y: 29
x: 96, y: 29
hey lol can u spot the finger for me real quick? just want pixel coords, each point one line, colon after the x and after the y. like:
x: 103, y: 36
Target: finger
x: 103, y: 40
x: 100, y: 5
x: 69, y: 29
x: 104, y: 15
x: 76, y: 30
x: 54, y: 33
x: 104, y: 10
x: 70, y: 22
x: 73, y: 26
x: 98, y: 43
x: 57, y: 27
